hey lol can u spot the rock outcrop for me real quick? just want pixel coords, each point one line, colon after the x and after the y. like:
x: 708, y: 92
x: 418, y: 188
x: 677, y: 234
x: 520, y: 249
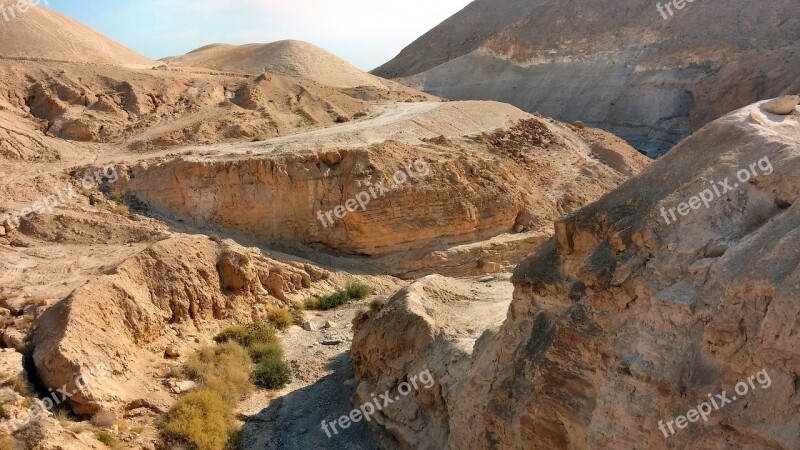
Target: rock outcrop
x: 495, y: 170
x: 179, y: 288
x: 626, y: 318
x: 648, y: 78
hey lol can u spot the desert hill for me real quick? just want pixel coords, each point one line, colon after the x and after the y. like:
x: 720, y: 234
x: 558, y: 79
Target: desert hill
x: 623, y: 68
x: 622, y: 319
x: 292, y: 58
x: 41, y: 33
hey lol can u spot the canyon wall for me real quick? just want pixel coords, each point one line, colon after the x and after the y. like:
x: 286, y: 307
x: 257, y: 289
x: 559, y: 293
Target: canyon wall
x: 625, y: 319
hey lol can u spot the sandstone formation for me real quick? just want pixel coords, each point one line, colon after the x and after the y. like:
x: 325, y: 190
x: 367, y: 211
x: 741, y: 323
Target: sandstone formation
x: 623, y: 68
x: 622, y: 319
x: 453, y: 173
x: 178, y: 288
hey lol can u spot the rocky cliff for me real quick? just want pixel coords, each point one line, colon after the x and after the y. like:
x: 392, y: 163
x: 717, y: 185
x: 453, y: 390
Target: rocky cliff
x: 487, y: 169
x: 626, y: 319
x: 649, y: 78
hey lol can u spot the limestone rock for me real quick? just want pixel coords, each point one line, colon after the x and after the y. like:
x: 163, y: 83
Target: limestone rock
x: 610, y: 331
x: 782, y: 105
x: 120, y: 318
x: 13, y: 338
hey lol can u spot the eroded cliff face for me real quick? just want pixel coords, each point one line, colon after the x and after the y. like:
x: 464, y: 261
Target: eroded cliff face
x: 623, y: 68
x: 623, y: 320
x: 492, y: 173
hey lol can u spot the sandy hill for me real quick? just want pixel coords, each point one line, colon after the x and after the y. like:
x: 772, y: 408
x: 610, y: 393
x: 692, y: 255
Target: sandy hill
x: 649, y: 79
x: 624, y: 318
x: 293, y: 58
x: 43, y: 33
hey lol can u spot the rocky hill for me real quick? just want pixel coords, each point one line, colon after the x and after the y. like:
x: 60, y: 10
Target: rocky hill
x: 627, y: 69
x: 41, y: 33
x: 625, y: 320
x: 296, y: 59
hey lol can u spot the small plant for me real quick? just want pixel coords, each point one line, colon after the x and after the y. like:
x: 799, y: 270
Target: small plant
x: 264, y: 351
x: 107, y: 439
x: 77, y: 429
x: 481, y: 263
x: 20, y: 385
x: 202, y: 419
x: 311, y: 304
x: 353, y: 291
x: 248, y: 335
x: 358, y: 291
x: 272, y: 374
x: 122, y: 210
x: 224, y: 368
x: 377, y: 304
x: 281, y: 318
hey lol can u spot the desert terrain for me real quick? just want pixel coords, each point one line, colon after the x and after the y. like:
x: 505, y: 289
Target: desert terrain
x: 244, y: 245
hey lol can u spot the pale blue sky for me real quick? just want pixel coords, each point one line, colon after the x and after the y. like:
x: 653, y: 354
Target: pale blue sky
x: 365, y: 32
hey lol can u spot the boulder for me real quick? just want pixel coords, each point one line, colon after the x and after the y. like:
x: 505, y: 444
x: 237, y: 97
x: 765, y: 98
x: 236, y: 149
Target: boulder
x: 782, y: 105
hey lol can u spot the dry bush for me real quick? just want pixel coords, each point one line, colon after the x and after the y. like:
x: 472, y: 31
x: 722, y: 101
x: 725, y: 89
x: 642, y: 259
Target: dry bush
x: 104, y: 419
x: 202, y: 419
x: 280, y: 317
x: 224, y: 368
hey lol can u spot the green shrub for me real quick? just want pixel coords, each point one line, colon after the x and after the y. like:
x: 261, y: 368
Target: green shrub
x: 357, y: 291
x: 280, y: 317
x: 202, y: 419
x: 272, y: 374
x: 311, y: 304
x: 224, y: 368
x: 353, y: 291
x: 265, y: 351
x: 247, y: 335
x: 107, y: 439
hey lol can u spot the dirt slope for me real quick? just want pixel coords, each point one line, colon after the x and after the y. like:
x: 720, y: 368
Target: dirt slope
x: 649, y: 80
x: 41, y: 33
x: 623, y: 319
x: 296, y: 59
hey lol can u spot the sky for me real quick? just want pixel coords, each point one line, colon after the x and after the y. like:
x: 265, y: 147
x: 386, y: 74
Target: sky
x: 367, y: 33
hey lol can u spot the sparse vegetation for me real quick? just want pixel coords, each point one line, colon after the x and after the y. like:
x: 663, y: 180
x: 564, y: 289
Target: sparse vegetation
x: 202, y: 419
x: 377, y: 304
x: 223, y: 368
x: 107, y: 439
x: 353, y: 291
x: 248, y: 335
x: 264, y: 351
x: 280, y: 317
x: 272, y: 373
x: 121, y: 209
